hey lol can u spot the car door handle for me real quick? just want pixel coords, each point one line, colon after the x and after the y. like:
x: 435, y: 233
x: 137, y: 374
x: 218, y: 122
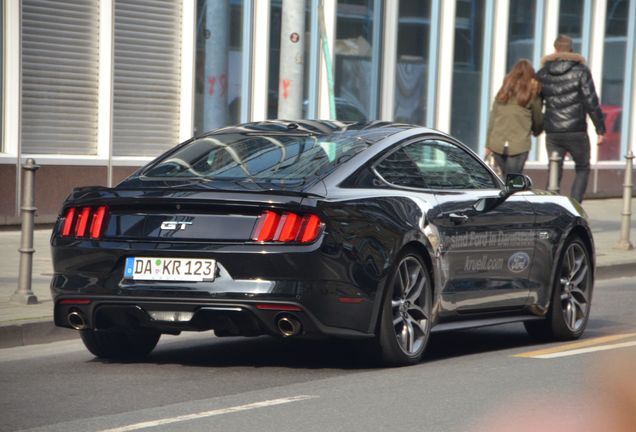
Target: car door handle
x: 458, y: 219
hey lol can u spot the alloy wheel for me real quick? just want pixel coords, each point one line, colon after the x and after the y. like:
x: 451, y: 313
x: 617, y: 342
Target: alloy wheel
x: 575, y: 287
x: 411, y: 320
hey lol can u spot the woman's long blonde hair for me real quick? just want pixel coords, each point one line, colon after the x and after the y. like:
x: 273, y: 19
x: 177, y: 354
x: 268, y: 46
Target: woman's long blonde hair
x: 520, y: 84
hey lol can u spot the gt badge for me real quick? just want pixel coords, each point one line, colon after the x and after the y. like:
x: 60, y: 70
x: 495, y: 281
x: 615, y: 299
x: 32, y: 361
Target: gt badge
x: 518, y: 262
x: 174, y: 225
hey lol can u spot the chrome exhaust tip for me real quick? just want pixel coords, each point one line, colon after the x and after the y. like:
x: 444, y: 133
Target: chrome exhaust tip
x: 289, y: 326
x: 76, y: 320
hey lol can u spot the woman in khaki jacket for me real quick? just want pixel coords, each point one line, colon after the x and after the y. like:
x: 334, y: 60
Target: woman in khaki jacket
x: 516, y: 113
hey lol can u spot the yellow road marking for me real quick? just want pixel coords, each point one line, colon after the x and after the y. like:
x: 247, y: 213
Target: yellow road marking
x: 576, y: 345
x: 587, y: 350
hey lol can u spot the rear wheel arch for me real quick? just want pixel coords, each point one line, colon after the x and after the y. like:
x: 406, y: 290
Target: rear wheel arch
x: 412, y: 246
x: 577, y: 232
x: 581, y: 233
x: 424, y: 254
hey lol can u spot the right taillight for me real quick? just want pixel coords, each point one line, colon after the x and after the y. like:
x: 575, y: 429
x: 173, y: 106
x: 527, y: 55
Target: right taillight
x: 84, y: 222
x: 287, y: 227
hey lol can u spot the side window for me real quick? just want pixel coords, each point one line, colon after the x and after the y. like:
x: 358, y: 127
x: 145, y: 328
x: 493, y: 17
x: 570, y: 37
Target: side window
x: 433, y: 164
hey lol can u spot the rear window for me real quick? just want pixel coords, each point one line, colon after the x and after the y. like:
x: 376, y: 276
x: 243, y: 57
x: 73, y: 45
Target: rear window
x: 261, y: 158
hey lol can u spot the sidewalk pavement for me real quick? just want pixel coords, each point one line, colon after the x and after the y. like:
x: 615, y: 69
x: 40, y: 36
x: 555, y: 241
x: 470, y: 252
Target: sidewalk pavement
x: 29, y: 324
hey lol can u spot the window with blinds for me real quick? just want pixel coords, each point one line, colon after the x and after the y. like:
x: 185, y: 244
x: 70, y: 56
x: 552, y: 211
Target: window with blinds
x: 146, y: 85
x: 59, y: 76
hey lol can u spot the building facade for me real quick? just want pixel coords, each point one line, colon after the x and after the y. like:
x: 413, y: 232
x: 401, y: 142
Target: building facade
x: 94, y: 89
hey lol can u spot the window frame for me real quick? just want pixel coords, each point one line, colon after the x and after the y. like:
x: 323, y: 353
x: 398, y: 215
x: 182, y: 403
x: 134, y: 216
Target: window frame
x: 397, y: 147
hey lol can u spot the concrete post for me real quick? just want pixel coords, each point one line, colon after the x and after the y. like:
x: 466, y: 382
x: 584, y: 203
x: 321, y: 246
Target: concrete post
x: 553, y: 184
x: 292, y: 52
x: 215, y: 99
x: 23, y: 294
x: 624, y: 243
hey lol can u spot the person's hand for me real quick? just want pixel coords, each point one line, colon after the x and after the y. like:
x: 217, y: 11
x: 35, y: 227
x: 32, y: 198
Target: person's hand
x: 488, y: 151
x: 599, y: 139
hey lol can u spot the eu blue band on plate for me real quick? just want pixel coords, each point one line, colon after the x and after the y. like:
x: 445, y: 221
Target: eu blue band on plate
x: 130, y: 266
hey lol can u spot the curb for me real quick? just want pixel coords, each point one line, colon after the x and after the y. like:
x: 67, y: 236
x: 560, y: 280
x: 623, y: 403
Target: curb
x: 614, y: 271
x: 33, y: 332
x: 40, y: 332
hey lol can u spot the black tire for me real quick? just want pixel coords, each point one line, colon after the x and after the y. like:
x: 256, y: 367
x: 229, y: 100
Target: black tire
x: 405, y: 321
x: 571, y: 296
x: 120, y: 344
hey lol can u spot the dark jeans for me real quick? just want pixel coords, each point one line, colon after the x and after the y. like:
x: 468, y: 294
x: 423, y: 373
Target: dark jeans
x: 510, y: 164
x: 577, y: 144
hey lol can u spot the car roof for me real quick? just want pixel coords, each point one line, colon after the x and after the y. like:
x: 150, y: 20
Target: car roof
x: 372, y: 131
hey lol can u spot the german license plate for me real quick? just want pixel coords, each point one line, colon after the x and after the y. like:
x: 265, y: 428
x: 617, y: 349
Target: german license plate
x: 170, y: 269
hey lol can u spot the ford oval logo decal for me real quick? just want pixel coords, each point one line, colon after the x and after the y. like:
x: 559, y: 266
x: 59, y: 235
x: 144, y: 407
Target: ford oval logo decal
x: 518, y: 262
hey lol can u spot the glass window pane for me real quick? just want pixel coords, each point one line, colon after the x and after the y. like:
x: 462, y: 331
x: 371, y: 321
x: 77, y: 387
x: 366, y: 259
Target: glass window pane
x: 274, y: 79
x: 571, y: 21
x: 467, y: 71
x: 219, y: 50
x: 614, y: 56
x: 354, y: 84
x: 285, y: 159
x: 411, y: 74
x: 435, y: 165
x: 521, y: 39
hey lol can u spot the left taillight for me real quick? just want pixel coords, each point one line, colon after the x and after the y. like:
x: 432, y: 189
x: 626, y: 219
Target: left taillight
x: 84, y: 222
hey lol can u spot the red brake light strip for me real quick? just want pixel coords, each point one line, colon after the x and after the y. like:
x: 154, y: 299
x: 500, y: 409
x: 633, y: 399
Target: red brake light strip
x: 84, y: 222
x: 98, y: 222
x: 68, y: 222
x: 286, y: 228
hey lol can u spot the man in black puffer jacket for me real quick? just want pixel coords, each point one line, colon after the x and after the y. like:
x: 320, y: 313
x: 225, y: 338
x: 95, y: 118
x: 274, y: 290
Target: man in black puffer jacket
x: 569, y: 95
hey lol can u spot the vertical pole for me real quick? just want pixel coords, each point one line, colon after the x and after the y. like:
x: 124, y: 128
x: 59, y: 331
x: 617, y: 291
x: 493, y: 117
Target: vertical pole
x: 628, y: 128
x: 188, y: 70
x: 445, y: 66
x: 314, y: 61
x: 215, y: 107
x: 433, y: 63
x: 292, y: 64
x: 105, y: 86
x: 23, y: 294
x: 326, y: 53
x: 489, y: 73
x: 553, y: 184
x: 624, y: 243
x: 389, y: 60
x: 376, y: 61
x: 246, y: 61
x: 260, y: 59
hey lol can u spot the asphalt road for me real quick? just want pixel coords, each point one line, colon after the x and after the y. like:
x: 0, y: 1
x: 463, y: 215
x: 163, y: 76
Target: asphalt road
x: 468, y: 381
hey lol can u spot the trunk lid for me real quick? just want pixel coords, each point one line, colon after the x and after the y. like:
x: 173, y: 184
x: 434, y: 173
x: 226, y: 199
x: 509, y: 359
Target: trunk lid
x: 192, y: 214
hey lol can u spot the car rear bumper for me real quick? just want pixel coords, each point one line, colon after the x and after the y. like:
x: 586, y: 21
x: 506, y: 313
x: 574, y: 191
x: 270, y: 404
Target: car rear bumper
x: 226, y: 317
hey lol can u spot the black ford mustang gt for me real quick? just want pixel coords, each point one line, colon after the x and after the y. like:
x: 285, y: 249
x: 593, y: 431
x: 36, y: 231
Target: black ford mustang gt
x: 315, y: 228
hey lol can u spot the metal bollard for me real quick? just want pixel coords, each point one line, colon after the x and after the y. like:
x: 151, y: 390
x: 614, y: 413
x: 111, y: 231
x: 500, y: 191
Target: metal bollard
x: 553, y: 172
x: 23, y: 294
x: 623, y: 242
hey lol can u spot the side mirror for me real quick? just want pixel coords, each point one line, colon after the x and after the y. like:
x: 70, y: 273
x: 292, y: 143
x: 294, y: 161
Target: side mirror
x: 517, y: 183
x: 514, y: 183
